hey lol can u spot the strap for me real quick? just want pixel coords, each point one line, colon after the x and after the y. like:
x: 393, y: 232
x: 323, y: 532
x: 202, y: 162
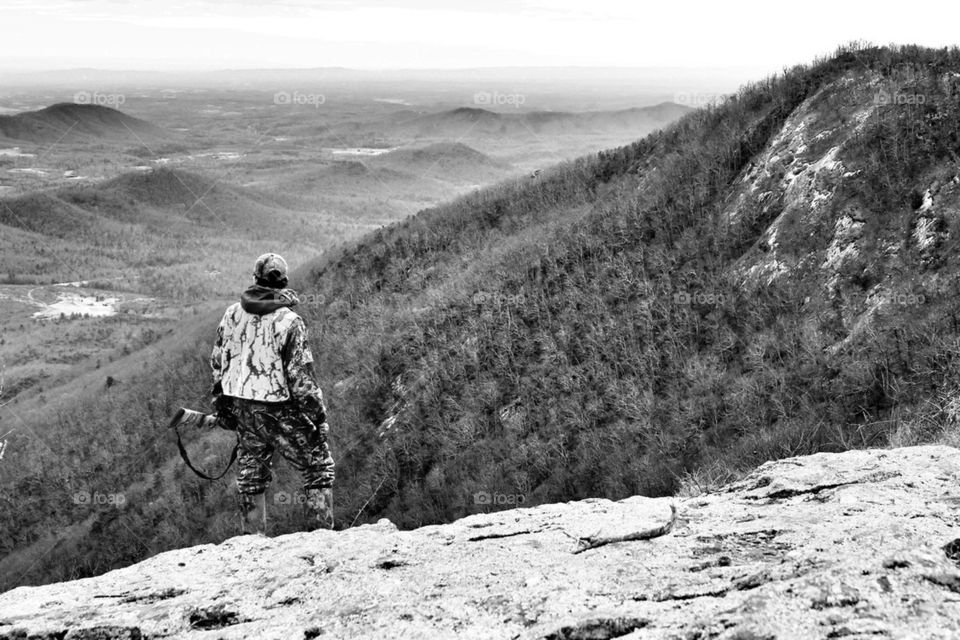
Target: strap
x: 186, y: 459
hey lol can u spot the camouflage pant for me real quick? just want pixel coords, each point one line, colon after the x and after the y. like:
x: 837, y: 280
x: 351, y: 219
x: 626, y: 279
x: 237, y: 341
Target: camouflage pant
x: 264, y: 428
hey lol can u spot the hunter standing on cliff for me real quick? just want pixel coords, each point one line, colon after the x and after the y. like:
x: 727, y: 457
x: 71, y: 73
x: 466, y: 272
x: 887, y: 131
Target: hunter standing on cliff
x: 264, y: 382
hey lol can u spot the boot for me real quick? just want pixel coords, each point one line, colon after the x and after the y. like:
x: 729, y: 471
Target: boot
x: 320, y: 502
x: 253, y: 513
x: 190, y: 418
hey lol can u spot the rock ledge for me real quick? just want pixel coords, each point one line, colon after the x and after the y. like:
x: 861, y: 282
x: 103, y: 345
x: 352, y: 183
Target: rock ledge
x: 863, y: 544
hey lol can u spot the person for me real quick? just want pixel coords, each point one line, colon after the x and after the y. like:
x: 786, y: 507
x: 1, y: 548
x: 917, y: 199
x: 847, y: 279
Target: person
x: 263, y: 382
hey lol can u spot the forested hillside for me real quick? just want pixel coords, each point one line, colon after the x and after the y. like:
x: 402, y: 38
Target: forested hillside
x: 767, y: 278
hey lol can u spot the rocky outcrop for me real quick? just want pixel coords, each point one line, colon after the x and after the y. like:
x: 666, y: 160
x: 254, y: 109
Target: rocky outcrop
x: 855, y: 262
x: 794, y: 183
x: 861, y: 544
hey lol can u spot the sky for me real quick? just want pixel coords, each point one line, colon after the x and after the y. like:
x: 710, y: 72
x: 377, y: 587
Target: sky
x: 430, y: 34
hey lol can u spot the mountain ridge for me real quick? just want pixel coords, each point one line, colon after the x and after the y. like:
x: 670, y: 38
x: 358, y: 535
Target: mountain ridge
x: 465, y: 121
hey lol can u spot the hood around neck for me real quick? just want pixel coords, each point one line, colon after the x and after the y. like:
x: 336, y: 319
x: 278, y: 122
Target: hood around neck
x: 260, y: 300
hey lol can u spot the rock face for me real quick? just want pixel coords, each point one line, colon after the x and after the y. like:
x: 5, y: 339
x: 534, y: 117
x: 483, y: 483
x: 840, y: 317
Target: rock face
x: 853, y: 545
x: 868, y: 261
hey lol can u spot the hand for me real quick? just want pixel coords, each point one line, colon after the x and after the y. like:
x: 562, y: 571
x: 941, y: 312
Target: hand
x: 315, y: 411
x: 222, y: 405
x: 223, y: 411
x: 312, y: 409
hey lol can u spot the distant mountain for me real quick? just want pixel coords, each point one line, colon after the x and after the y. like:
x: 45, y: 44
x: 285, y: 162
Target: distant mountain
x: 453, y: 151
x: 433, y: 171
x: 164, y: 187
x: 467, y: 121
x: 447, y: 159
x: 70, y: 122
x: 146, y: 225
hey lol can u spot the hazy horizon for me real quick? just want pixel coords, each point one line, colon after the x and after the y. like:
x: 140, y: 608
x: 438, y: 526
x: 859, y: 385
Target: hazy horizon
x: 429, y: 34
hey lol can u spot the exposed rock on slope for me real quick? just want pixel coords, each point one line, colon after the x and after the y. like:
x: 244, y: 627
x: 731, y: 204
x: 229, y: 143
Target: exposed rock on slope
x: 867, y: 258
x: 855, y: 545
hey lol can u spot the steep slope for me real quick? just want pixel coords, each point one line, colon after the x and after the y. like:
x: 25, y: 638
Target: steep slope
x: 69, y: 122
x: 608, y: 328
x: 859, y: 544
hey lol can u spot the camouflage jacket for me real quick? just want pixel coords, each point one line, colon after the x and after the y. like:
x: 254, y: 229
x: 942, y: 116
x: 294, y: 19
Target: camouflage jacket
x: 261, y: 352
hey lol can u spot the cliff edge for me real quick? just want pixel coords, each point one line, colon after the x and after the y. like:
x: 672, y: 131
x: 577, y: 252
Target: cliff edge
x: 862, y: 544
